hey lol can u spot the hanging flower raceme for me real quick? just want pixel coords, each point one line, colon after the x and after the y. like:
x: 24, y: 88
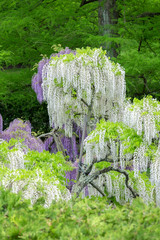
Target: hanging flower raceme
x: 72, y: 83
x: 113, y: 140
x: 144, y: 116
x: 37, y: 80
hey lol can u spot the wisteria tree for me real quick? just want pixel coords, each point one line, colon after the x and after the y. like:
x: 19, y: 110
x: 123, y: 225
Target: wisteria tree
x: 120, y: 140
x: 119, y: 149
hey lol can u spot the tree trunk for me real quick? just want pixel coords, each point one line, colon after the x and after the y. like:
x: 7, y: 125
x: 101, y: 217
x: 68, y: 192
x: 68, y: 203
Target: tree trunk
x: 108, y: 18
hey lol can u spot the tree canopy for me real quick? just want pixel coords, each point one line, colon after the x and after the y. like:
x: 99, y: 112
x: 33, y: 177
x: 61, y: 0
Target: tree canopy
x: 31, y: 29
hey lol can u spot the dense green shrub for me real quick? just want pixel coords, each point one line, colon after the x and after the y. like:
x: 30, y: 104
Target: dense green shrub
x: 81, y: 219
x: 18, y: 100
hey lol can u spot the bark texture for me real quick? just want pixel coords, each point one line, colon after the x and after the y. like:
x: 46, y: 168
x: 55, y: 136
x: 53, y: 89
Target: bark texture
x: 108, y: 17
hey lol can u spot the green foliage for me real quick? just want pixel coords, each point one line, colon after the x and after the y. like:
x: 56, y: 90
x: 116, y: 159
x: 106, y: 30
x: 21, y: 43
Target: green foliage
x: 35, y: 26
x: 102, y: 165
x: 52, y: 165
x: 12, y: 225
x: 152, y: 102
x: 82, y: 219
x: 118, y: 131
x: 138, y: 30
x: 3, y: 151
x: 82, y: 53
x: 5, y: 58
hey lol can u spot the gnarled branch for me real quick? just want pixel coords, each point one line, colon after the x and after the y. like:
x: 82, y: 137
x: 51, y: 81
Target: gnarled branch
x: 84, y: 180
x: 56, y: 139
x: 105, y: 170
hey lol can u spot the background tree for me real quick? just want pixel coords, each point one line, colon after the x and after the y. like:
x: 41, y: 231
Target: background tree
x: 131, y: 36
x: 139, y: 46
x: 108, y: 15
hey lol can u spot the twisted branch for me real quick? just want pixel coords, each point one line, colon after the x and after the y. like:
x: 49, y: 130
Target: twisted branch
x: 105, y: 170
x: 88, y: 179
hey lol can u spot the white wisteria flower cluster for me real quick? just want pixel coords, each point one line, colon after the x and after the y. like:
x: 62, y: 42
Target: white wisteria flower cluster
x: 73, y: 83
x: 144, y: 116
x: 32, y: 183
x: 35, y: 187
x: 127, y: 148
x: 155, y: 175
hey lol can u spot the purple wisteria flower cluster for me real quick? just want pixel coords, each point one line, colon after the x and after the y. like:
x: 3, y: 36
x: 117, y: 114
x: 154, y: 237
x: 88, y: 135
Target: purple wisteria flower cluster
x: 18, y: 129
x: 37, y: 80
